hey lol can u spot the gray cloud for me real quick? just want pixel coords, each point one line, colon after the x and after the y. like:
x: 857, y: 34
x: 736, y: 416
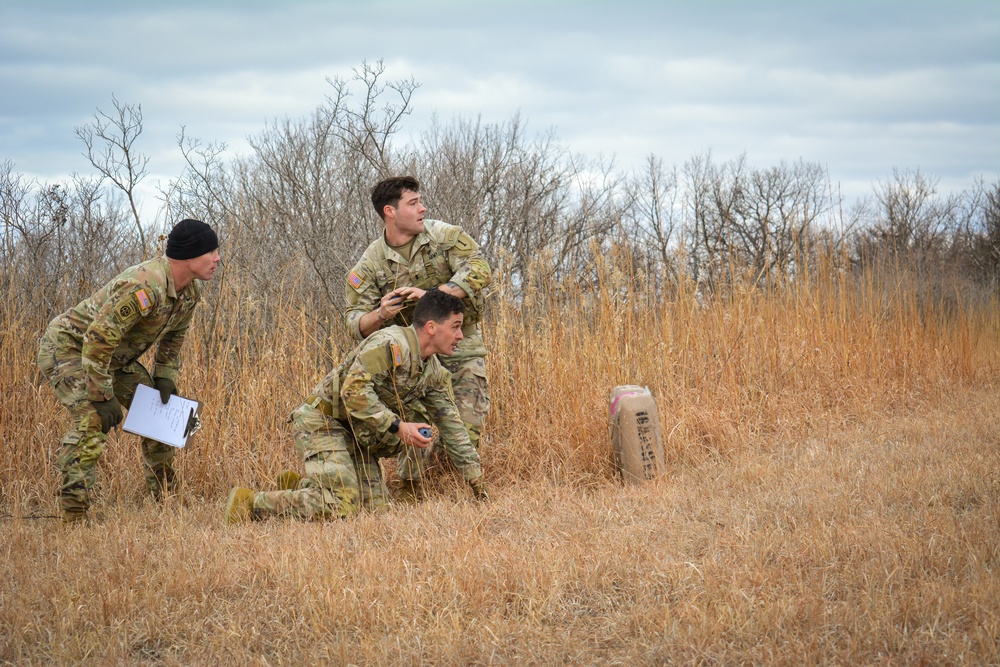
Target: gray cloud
x: 861, y: 87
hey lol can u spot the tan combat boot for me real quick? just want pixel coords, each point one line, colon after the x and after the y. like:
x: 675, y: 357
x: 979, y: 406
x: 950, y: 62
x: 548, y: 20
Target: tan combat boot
x: 410, y: 491
x: 74, y: 518
x: 239, y: 506
x: 288, y: 480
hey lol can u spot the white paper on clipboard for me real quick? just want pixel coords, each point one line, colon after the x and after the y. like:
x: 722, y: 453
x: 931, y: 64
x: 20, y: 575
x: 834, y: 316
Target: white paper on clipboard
x: 149, y: 417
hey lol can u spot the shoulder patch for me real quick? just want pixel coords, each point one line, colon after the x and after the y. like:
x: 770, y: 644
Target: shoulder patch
x: 354, y: 280
x: 377, y: 359
x: 143, y: 299
x: 397, y: 355
x: 464, y: 243
x: 127, y: 310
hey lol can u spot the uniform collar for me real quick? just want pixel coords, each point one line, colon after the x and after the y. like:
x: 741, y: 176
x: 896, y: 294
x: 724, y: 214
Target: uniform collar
x: 419, y: 240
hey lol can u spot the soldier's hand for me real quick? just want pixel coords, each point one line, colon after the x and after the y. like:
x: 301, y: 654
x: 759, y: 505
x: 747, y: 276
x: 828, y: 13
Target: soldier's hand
x: 393, y: 302
x: 166, y: 387
x: 410, y: 435
x: 110, y: 412
x: 479, y: 489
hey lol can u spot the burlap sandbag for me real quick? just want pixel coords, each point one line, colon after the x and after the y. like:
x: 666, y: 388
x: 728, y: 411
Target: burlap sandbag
x: 635, y: 434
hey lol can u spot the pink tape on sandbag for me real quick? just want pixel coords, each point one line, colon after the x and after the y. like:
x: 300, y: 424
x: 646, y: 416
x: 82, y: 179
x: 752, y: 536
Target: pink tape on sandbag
x: 614, y: 403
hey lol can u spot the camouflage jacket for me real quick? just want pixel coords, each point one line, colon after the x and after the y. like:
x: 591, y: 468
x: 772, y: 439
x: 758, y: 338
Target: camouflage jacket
x: 118, y: 323
x: 384, y: 378
x: 441, y: 253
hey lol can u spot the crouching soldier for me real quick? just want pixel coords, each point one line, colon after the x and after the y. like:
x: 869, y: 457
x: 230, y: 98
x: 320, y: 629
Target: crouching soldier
x: 413, y: 255
x: 371, y: 406
x: 90, y: 356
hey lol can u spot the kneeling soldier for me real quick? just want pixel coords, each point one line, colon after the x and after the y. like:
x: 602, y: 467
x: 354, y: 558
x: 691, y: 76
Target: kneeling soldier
x: 370, y: 407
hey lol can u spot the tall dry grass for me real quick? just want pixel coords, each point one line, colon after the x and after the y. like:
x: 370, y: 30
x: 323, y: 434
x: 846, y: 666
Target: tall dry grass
x: 832, y: 494
x: 725, y: 371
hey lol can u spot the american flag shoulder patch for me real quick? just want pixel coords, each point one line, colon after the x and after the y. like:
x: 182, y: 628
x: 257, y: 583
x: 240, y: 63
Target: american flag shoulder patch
x: 354, y: 279
x: 397, y: 355
x: 143, y: 299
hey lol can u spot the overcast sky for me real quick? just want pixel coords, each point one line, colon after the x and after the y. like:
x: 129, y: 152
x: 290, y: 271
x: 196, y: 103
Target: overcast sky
x: 859, y: 86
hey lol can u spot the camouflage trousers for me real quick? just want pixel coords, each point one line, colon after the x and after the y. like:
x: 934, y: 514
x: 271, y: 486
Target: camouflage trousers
x: 472, y: 398
x: 84, y: 443
x: 342, y: 475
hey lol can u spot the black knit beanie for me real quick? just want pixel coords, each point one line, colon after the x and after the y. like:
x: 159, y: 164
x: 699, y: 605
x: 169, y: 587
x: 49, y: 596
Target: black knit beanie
x: 191, y: 238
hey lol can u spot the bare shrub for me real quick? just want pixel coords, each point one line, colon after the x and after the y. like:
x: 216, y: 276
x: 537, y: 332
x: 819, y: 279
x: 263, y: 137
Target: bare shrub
x: 61, y: 242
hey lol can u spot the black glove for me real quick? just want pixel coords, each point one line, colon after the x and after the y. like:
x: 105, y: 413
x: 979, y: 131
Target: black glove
x: 110, y: 412
x: 166, y: 387
x: 479, y: 489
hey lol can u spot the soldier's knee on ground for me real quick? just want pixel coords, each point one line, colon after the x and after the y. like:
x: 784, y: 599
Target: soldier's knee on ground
x: 340, y: 493
x: 374, y: 495
x: 340, y: 503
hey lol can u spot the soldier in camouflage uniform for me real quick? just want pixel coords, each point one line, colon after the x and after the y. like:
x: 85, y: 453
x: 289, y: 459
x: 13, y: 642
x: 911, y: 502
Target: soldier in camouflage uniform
x: 412, y: 256
x: 90, y: 355
x: 371, y: 406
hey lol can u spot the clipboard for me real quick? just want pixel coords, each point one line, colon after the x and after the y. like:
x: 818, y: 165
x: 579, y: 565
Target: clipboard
x: 171, y: 424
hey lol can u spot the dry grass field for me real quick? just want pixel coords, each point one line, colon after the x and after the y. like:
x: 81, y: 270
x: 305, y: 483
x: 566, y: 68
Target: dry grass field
x: 831, y: 496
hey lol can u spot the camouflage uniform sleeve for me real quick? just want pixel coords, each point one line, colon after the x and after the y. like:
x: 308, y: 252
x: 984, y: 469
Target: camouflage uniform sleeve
x: 362, y: 296
x: 113, y: 320
x: 441, y: 404
x: 470, y: 270
x: 357, y: 390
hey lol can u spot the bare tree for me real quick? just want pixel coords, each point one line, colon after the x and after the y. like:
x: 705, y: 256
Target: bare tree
x: 652, y: 216
x: 713, y: 194
x: 748, y: 219
x: 979, y: 235
x: 593, y: 215
x: 912, y: 220
x: 206, y: 188
x: 14, y: 193
x: 508, y: 192
x: 367, y: 130
x: 989, y: 246
x: 316, y: 190
x: 110, y: 141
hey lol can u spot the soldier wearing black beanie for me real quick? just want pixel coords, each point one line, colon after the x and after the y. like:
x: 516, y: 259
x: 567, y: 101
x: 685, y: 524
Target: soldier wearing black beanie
x: 191, y: 238
x: 90, y: 354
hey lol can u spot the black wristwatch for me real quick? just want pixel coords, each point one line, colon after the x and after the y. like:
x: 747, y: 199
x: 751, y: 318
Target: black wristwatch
x: 394, y: 426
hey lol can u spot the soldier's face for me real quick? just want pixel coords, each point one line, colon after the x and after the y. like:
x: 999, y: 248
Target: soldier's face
x: 203, y: 267
x: 446, y: 335
x: 408, y: 215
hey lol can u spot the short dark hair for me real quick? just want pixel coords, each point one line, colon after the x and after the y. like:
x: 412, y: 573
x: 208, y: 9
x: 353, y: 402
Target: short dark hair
x: 388, y: 192
x: 436, y: 306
